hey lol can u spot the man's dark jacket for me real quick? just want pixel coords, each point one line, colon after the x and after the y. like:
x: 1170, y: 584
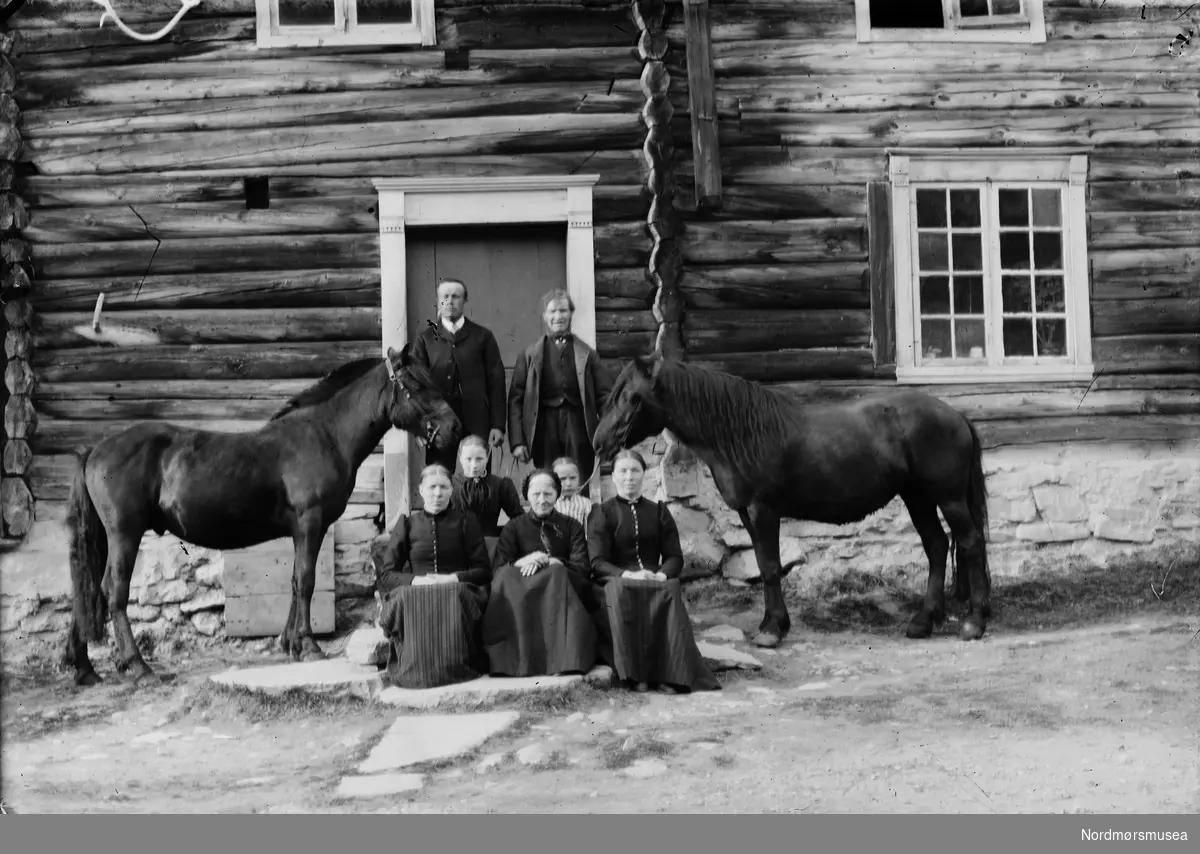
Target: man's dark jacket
x: 469, y: 372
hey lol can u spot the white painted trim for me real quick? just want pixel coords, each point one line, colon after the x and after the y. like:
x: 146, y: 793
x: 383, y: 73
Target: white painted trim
x: 346, y: 31
x: 475, y: 201
x: 1066, y: 172
x: 1031, y: 31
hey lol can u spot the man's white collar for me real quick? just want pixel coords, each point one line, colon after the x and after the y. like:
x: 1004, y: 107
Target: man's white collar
x: 456, y: 325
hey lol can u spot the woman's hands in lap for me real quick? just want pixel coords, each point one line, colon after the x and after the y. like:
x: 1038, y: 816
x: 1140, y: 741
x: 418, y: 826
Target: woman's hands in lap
x: 644, y: 575
x: 534, y: 561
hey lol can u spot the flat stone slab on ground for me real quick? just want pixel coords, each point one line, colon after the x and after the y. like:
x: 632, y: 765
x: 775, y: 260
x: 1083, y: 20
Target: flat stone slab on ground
x: 727, y: 658
x: 489, y: 688
x: 423, y: 738
x: 724, y: 633
x: 331, y: 675
x: 374, y: 785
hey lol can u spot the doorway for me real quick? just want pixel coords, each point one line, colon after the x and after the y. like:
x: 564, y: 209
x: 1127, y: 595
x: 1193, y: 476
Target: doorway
x: 507, y: 269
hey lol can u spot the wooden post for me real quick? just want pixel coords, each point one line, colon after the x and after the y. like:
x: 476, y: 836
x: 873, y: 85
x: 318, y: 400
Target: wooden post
x: 20, y: 416
x: 665, y: 268
x: 702, y: 102
x: 882, y: 286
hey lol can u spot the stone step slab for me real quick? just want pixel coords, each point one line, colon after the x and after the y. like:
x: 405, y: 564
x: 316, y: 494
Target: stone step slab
x: 413, y: 739
x: 488, y: 690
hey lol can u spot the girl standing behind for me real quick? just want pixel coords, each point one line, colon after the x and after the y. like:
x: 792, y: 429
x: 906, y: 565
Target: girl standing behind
x: 572, y: 503
x: 481, y: 493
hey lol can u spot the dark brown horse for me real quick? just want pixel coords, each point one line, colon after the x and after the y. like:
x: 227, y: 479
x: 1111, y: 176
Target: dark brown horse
x: 290, y: 478
x: 773, y: 457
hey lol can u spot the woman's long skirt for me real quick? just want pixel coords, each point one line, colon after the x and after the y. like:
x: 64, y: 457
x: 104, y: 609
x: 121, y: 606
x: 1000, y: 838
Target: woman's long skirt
x: 647, y: 635
x: 537, y: 626
x: 434, y: 634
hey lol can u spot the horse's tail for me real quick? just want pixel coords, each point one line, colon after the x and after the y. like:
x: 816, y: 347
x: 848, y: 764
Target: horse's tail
x: 89, y: 556
x: 977, y: 500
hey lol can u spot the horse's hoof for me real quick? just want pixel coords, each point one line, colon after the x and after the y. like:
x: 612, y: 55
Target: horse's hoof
x: 972, y: 629
x: 920, y: 628
x: 767, y: 640
x: 88, y: 679
x: 147, y: 679
x: 313, y: 653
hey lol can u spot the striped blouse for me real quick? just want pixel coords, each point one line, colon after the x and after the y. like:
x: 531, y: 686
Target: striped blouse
x: 577, y: 507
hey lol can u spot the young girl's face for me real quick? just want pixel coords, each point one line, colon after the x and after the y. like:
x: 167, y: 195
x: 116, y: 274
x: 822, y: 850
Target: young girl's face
x: 474, y: 461
x: 569, y: 475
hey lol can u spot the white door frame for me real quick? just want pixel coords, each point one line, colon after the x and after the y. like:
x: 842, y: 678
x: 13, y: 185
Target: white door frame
x: 474, y: 201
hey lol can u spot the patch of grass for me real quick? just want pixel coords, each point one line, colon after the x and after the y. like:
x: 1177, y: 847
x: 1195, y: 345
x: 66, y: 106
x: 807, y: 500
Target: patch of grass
x: 873, y: 709
x: 1081, y: 592
x: 226, y: 701
x: 723, y: 760
x: 617, y: 752
x: 715, y: 594
x: 1004, y: 710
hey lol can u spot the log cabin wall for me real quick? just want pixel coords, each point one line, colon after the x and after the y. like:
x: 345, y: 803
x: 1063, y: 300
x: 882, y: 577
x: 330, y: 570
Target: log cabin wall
x: 141, y: 166
x: 779, y: 239
x: 805, y: 115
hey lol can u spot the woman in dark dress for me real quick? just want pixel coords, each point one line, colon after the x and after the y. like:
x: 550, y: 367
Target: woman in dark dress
x: 537, y: 622
x: 482, y: 493
x: 646, y: 635
x: 433, y: 581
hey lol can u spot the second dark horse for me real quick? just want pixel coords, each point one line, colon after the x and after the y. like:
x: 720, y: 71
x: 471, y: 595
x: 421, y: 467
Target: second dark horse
x: 291, y: 478
x: 773, y: 457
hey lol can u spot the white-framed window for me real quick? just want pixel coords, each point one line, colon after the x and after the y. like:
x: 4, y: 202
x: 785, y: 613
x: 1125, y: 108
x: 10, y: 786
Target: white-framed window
x: 1020, y: 21
x: 315, y: 23
x: 990, y: 258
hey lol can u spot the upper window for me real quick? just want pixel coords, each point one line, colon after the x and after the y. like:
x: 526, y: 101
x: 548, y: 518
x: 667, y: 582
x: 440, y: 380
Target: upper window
x: 990, y: 255
x: 314, y: 23
x: 950, y: 21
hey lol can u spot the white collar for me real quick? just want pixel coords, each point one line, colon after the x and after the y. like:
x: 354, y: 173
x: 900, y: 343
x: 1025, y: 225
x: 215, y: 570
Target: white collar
x: 457, y: 325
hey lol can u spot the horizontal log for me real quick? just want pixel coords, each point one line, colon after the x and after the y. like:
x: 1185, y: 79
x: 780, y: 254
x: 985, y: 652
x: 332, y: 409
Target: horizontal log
x: 1143, y: 230
x: 51, y: 473
x: 167, y: 409
x: 1126, y: 163
x: 229, y: 69
x: 1147, y: 353
x: 768, y: 58
x: 1168, y: 273
x: 1102, y: 429
x: 1057, y: 127
x: 615, y: 346
x: 1137, y: 196
x: 621, y: 322
x: 277, y: 390
x: 1108, y: 20
x: 218, y: 361
x: 248, y: 149
x: 791, y: 365
x: 794, y: 165
x: 774, y: 242
x: 624, y: 287
x: 770, y: 20
x: 287, y: 182
x: 707, y: 332
x: 59, y: 436
x: 324, y: 108
x: 775, y: 201
x: 791, y: 286
x: 78, y: 14
x: 72, y: 49
x: 20, y: 417
x: 880, y: 91
x: 205, y: 255
x: 348, y: 214
x: 243, y: 290
x: 1145, y: 316
x: 57, y: 330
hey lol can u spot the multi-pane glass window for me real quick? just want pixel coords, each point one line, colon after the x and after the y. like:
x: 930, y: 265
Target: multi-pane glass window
x: 293, y: 23
x: 990, y: 266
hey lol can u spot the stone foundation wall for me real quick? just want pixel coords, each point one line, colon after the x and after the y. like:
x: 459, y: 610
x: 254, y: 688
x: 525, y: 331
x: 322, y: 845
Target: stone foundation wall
x: 1093, y: 500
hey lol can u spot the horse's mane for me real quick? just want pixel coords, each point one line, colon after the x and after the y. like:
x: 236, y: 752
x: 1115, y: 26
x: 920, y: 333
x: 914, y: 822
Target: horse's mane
x: 746, y: 421
x: 328, y: 386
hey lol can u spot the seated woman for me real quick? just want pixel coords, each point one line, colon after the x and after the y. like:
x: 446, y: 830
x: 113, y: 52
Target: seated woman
x: 537, y: 621
x: 433, y: 583
x: 572, y: 503
x: 482, y: 493
x: 646, y: 635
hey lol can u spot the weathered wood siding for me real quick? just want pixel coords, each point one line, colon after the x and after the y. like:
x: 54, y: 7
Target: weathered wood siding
x: 777, y: 285
x: 134, y: 164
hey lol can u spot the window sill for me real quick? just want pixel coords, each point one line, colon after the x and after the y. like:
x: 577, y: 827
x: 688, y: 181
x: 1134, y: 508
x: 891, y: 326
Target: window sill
x: 1023, y: 35
x: 329, y: 37
x: 1001, y: 374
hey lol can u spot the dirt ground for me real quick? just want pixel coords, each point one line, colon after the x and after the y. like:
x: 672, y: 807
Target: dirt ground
x: 1081, y: 698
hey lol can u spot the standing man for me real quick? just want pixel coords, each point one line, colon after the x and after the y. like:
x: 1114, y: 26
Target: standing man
x: 465, y: 361
x: 558, y: 389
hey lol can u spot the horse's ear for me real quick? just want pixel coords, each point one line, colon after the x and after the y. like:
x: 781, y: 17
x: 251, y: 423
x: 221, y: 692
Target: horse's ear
x: 648, y: 366
x: 405, y: 354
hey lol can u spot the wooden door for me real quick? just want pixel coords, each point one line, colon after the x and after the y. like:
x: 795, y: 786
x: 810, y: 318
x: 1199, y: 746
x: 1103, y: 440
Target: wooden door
x: 506, y: 269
